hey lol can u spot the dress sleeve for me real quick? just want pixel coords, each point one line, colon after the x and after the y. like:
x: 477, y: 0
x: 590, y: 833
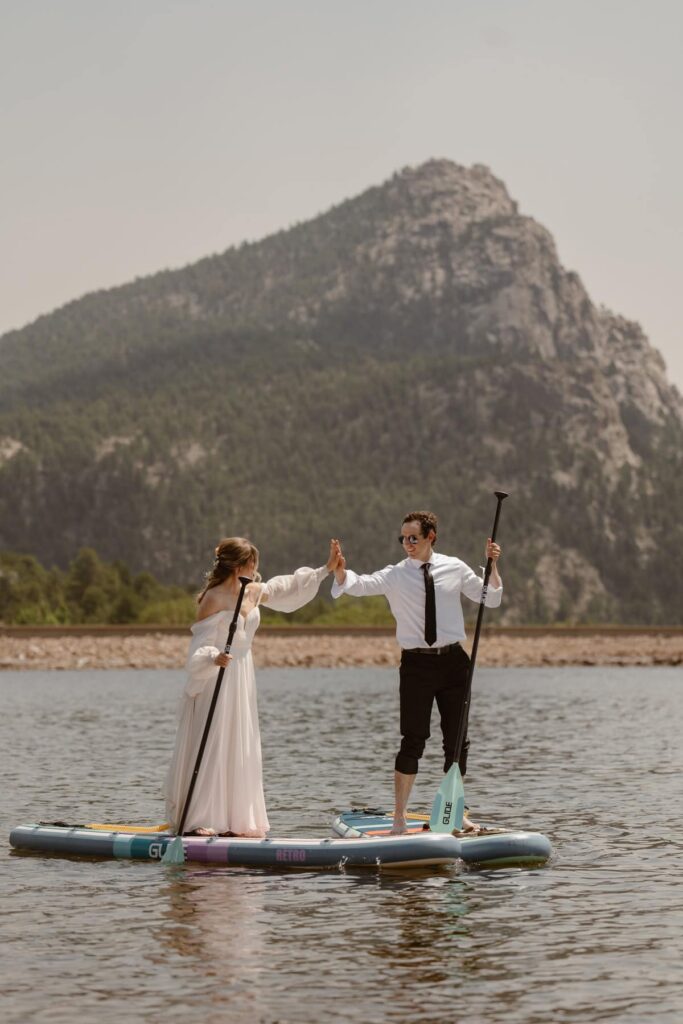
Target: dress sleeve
x: 200, y: 662
x: 287, y: 593
x: 472, y: 586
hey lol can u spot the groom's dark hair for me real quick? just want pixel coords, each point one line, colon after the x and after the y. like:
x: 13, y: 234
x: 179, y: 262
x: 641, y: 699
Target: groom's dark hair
x: 427, y: 521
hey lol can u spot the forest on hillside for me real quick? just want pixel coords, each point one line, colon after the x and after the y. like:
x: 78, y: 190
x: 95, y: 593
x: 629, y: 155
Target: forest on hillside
x: 418, y: 346
x: 93, y: 592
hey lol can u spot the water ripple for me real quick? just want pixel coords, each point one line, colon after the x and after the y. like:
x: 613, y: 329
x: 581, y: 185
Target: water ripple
x: 589, y: 756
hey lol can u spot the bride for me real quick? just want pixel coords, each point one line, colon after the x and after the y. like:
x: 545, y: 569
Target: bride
x: 228, y: 797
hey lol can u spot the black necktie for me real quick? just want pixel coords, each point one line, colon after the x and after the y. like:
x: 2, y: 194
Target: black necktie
x: 430, y: 605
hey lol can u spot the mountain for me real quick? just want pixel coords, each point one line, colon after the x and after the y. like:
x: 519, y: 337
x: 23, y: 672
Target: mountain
x: 416, y: 346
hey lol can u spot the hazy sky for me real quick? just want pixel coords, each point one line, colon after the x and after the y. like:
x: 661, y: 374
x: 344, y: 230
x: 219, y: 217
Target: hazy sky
x: 145, y: 134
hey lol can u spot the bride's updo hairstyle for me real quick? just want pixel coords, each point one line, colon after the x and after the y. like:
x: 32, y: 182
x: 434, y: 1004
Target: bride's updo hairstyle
x: 232, y: 553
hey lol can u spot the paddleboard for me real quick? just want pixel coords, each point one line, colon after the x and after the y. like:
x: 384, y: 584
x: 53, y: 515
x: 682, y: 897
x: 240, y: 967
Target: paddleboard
x: 139, y: 843
x: 491, y: 847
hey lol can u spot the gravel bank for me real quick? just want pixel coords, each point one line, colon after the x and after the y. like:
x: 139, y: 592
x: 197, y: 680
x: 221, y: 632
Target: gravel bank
x: 157, y: 650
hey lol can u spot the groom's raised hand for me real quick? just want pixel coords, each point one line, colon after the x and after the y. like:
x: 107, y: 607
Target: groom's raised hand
x: 340, y: 568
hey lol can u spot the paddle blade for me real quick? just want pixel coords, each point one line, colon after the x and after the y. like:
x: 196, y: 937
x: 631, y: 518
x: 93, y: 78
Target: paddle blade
x: 448, y: 808
x: 174, y: 852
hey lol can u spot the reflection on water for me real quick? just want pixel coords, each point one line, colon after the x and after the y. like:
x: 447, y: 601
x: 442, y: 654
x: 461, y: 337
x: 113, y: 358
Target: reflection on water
x: 592, y: 757
x: 245, y: 935
x: 216, y: 921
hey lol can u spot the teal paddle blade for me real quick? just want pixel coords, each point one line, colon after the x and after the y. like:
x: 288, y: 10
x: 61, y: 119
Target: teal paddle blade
x: 174, y: 852
x: 448, y: 808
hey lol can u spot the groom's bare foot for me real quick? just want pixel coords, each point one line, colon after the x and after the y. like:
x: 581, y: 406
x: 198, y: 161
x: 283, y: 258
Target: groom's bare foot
x: 400, y: 826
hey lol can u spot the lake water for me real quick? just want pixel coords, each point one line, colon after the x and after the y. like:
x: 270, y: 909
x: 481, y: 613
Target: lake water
x: 592, y: 757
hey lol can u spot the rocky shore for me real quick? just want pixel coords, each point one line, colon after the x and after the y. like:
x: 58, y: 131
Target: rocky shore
x: 168, y: 651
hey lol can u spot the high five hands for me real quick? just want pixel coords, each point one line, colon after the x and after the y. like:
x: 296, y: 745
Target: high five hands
x: 335, y: 555
x: 336, y: 562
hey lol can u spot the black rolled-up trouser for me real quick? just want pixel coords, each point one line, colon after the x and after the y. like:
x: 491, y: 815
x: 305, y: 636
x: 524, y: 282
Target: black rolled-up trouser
x: 425, y: 678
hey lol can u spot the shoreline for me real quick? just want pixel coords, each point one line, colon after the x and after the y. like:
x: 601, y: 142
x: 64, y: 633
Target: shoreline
x: 168, y: 650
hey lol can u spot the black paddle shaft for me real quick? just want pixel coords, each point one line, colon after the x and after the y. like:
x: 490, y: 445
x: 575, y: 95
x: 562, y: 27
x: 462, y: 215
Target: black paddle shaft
x: 214, y: 700
x: 500, y: 496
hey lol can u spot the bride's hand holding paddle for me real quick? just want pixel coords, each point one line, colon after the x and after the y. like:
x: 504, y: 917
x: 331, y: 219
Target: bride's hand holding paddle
x: 222, y: 659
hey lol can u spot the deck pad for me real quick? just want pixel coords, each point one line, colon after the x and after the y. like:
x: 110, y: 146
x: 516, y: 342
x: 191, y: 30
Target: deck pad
x: 374, y: 821
x: 140, y: 829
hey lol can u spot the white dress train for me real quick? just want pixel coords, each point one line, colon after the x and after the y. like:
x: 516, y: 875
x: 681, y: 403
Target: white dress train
x: 228, y: 794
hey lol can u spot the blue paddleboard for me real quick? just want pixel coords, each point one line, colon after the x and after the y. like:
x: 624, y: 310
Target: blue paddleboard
x: 125, y: 842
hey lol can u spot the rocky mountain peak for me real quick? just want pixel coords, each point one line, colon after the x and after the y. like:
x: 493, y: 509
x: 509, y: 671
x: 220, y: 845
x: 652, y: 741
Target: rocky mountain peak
x: 442, y: 189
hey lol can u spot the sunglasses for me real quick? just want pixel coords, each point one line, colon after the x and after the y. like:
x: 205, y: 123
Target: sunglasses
x: 412, y: 539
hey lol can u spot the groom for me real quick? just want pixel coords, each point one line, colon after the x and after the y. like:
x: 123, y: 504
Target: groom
x: 423, y: 591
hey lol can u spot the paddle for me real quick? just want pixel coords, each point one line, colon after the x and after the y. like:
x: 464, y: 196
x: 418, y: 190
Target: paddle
x: 175, y: 853
x: 448, y: 808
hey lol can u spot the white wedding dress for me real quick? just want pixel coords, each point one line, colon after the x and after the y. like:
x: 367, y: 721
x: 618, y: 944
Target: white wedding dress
x: 228, y: 795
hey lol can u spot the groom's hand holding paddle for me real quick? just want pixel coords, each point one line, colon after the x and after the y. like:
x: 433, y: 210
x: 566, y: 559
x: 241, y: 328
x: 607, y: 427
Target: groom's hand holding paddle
x: 493, y: 553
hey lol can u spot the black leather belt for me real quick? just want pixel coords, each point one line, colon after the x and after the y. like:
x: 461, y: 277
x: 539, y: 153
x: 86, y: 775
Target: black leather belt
x: 430, y: 650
